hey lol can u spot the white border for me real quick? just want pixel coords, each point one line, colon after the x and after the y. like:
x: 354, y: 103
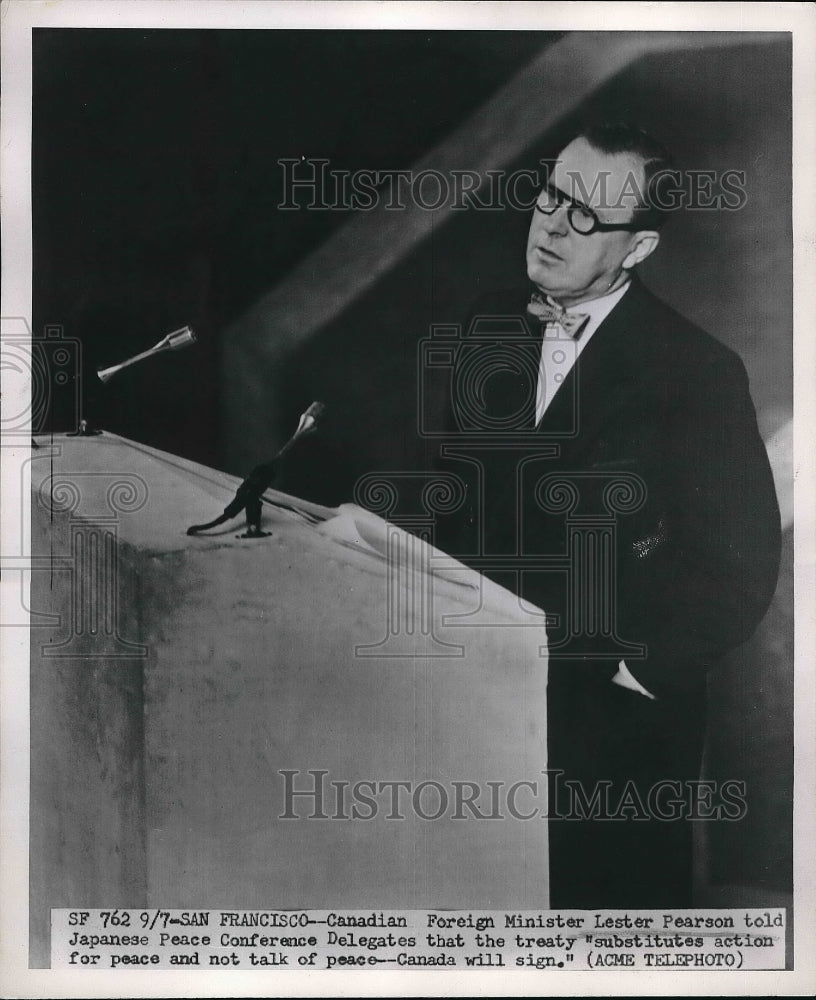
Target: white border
x: 18, y: 18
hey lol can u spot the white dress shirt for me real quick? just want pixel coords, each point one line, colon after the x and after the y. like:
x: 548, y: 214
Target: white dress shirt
x: 559, y: 352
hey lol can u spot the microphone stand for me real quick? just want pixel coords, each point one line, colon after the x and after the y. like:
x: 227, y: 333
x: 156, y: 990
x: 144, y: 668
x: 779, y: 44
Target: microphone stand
x: 249, y: 493
x: 174, y: 341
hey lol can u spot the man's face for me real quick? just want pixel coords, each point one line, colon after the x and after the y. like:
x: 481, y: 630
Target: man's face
x: 567, y: 265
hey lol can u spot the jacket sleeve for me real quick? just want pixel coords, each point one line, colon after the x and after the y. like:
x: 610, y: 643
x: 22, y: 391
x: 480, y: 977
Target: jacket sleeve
x: 706, y: 588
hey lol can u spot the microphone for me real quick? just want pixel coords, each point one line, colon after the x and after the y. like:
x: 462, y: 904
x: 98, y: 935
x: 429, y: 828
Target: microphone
x: 248, y: 495
x: 307, y: 424
x: 174, y: 341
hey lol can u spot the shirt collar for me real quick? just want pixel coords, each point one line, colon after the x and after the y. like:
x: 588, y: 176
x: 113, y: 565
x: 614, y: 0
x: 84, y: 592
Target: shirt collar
x: 598, y: 309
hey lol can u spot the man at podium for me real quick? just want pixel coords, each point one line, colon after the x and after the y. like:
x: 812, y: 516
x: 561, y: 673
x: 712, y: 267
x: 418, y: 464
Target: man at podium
x: 633, y: 501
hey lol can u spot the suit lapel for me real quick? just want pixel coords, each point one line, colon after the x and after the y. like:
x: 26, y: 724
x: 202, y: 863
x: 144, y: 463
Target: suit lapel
x: 606, y: 376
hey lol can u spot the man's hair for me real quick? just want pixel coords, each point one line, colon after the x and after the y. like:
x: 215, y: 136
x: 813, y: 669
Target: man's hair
x: 622, y: 137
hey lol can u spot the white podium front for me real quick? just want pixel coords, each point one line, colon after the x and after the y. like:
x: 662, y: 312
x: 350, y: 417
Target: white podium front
x: 182, y: 688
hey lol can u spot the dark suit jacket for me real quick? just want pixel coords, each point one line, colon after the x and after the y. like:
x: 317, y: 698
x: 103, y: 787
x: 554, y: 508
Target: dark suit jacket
x: 663, y: 408
x: 653, y: 398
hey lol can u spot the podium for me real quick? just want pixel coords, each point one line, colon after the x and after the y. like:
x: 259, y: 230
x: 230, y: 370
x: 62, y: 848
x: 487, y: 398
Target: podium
x: 212, y: 717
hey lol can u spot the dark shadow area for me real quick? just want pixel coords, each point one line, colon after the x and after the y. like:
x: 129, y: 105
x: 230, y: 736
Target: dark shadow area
x: 156, y: 183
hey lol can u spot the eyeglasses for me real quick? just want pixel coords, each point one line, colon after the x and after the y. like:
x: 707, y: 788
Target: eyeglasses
x: 581, y: 217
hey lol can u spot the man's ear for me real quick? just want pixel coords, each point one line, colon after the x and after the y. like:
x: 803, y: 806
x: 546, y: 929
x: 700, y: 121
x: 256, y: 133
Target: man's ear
x: 645, y: 243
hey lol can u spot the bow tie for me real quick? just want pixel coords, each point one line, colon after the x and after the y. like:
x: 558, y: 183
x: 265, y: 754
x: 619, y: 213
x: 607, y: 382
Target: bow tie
x: 571, y: 323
